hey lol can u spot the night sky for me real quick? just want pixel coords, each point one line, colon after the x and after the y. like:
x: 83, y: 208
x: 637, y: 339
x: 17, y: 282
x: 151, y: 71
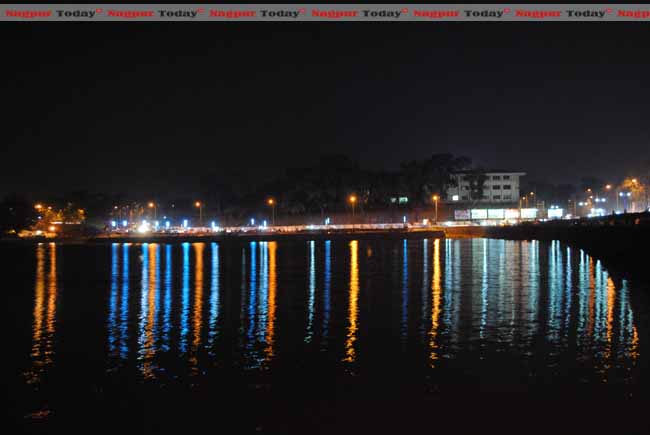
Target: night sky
x: 149, y: 108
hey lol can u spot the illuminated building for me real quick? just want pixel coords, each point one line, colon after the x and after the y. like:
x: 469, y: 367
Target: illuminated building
x: 498, y: 187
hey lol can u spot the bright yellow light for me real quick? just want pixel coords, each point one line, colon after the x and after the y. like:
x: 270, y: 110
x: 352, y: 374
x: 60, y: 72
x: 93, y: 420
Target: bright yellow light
x: 353, y: 304
x: 435, y: 197
x: 532, y: 193
x: 197, y: 203
x: 609, y: 186
x: 352, y: 199
x: 634, y: 180
x: 152, y: 205
x: 52, y: 228
x: 38, y: 206
x: 270, y: 201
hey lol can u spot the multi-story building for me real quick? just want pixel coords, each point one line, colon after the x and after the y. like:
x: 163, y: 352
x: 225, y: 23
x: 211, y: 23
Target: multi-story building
x: 498, y: 187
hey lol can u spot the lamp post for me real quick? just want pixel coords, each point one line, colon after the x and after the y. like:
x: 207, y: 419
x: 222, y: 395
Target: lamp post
x: 155, y: 209
x: 352, y: 199
x: 625, y: 196
x: 199, y: 205
x: 435, y: 199
x: 271, y: 203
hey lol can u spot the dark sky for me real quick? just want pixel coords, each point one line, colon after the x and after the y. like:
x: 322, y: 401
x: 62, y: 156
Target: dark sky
x: 153, y: 107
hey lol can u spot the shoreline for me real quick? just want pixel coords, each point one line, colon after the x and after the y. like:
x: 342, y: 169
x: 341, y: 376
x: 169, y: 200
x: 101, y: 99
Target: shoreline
x: 225, y: 237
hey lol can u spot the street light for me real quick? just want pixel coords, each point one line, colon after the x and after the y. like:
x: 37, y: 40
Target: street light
x: 155, y: 209
x: 608, y: 187
x: 199, y: 205
x: 352, y: 199
x: 625, y: 196
x: 435, y: 199
x: 271, y: 203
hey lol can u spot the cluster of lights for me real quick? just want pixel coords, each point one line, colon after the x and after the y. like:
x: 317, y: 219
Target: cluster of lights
x: 596, y: 212
x: 146, y: 226
x: 555, y: 212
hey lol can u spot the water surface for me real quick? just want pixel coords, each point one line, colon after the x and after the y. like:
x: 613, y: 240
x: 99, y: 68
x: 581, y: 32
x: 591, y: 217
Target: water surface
x: 158, y: 337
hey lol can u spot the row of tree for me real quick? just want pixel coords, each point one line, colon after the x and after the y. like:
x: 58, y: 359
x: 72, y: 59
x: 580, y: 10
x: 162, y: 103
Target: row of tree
x: 318, y: 189
x: 323, y: 188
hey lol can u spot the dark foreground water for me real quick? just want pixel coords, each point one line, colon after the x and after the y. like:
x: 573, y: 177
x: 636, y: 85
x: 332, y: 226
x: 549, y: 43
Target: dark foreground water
x: 340, y: 336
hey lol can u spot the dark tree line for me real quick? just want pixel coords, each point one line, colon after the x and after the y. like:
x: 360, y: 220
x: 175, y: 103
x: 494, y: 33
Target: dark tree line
x: 326, y: 186
x: 323, y: 188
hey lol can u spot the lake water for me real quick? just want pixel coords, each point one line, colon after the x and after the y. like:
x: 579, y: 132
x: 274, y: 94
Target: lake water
x: 324, y: 336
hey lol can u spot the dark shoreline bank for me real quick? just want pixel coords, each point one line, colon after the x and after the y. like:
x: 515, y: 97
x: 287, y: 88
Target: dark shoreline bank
x: 232, y: 237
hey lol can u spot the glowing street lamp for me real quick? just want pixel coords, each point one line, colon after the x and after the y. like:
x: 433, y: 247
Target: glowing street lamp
x: 199, y: 205
x: 435, y: 199
x: 119, y: 212
x: 523, y: 198
x: 271, y: 203
x: 625, y: 196
x: 155, y: 209
x: 608, y: 188
x: 352, y: 199
x: 38, y: 206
